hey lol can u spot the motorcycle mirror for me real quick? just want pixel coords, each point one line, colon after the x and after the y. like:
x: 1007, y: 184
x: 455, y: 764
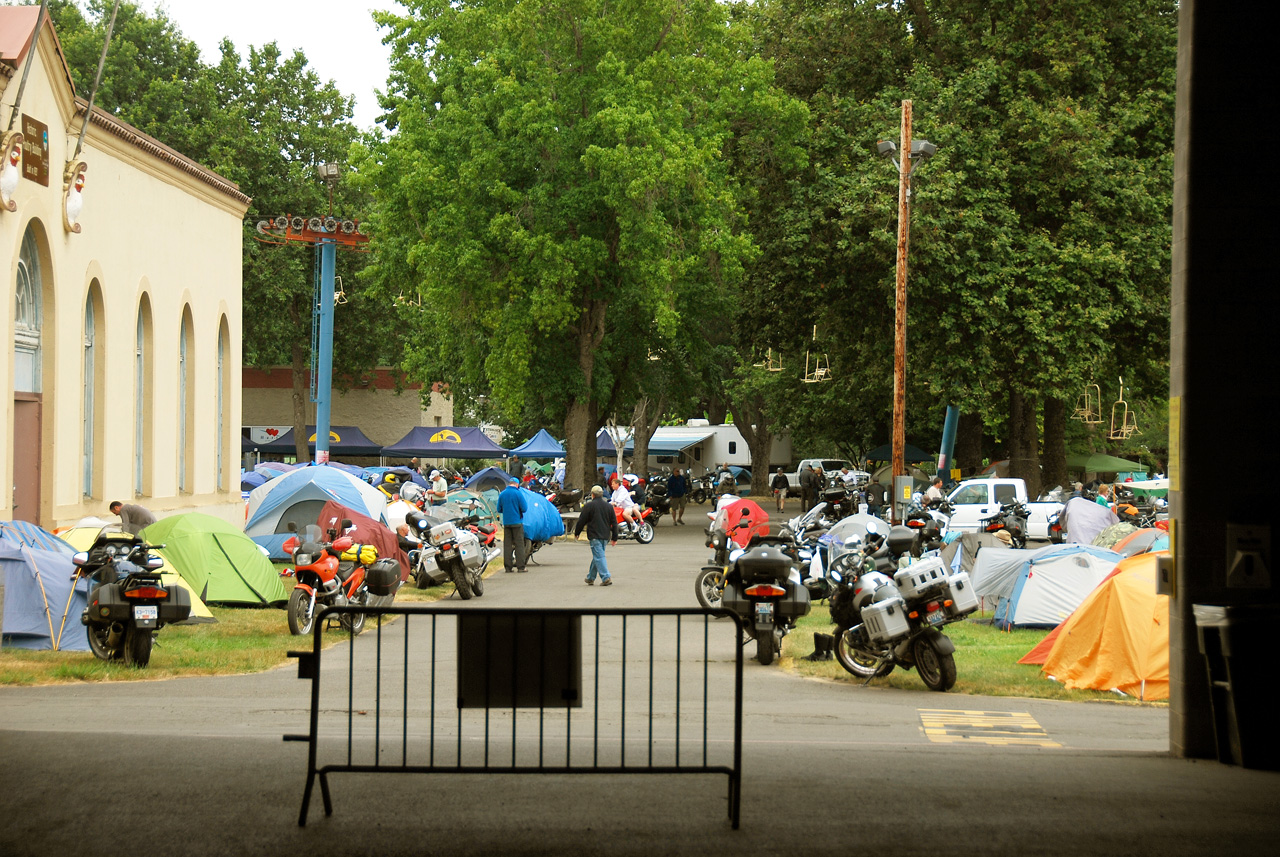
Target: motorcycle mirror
x: 80, y: 558
x: 346, y: 523
x: 154, y: 561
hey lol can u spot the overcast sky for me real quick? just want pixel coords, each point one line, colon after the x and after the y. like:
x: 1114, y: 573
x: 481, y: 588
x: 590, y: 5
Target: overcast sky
x: 339, y: 37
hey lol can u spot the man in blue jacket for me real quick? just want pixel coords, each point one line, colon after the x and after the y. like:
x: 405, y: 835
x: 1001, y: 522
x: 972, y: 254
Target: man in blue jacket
x: 601, y: 524
x: 512, y: 505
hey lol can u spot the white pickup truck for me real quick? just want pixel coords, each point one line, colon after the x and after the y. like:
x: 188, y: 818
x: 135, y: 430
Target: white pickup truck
x: 976, y: 499
x: 830, y: 467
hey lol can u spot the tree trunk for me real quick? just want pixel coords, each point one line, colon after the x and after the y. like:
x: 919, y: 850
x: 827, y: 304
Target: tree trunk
x: 1024, y: 460
x: 644, y: 422
x: 580, y: 419
x: 301, y: 365
x: 751, y: 420
x: 1055, y: 443
x: 717, y: 409
x: 968, y: 450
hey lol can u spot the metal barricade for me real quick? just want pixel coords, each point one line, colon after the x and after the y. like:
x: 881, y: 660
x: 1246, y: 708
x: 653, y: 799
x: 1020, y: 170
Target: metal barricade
x: 468, y: 690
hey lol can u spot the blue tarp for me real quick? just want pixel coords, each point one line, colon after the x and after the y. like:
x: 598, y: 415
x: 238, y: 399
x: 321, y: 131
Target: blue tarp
x: 542, y: 522
x: 541, y: 445
x: 444, y: 442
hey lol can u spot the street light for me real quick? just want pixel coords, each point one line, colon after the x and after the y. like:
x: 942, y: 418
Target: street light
x: 918, y: 152
x: 326, y: 234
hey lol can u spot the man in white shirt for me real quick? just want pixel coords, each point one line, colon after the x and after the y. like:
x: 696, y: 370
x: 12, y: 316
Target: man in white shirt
x: 621, y: 497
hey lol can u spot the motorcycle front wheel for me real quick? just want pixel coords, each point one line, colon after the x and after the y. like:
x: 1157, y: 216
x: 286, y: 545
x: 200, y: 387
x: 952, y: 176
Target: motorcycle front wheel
x: 709, y: 587
x: 137, y: 646
x: 644, y: 534
x: 461, y: 582
x: 301, y: 618
x: 98, y: 635
x: 855, y: 660
x: 698, y: 496
x: 937, y: 670
x: 476, y: 578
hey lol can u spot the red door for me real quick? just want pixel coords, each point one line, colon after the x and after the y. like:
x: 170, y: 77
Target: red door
x: 26, y: 457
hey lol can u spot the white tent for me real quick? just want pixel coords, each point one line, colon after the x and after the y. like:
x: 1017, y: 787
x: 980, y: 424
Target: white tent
x: 1040, y: 588
x: 1083, y: 519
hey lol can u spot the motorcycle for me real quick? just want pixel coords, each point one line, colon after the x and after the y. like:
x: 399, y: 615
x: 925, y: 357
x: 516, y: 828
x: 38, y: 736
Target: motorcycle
x: 885, y: 622
x: 129, y: 602
x: 656, y: 498
x: 464, y: 549
x: 929, y: 521
x: 726, y: 539
x: 641, y: 532
x: 1012, y: 518
x: 701, y: 488
x: 763, y: 587
x: 336, y: 572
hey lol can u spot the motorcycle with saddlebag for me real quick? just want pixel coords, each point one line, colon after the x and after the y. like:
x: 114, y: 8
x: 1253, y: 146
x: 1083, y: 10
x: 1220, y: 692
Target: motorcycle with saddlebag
x: 129, y: 602
x: 336, y: 572
x: 763, y: 587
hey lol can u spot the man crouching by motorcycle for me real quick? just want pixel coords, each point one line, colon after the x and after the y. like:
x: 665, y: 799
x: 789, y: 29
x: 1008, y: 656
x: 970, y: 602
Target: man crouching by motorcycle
x: 621, y: 497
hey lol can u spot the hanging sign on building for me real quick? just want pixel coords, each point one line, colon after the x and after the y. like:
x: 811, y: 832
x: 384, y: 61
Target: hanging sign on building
x: 35, y: 150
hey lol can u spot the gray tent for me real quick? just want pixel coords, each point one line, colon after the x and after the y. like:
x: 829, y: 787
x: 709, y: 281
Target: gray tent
x: 42, y: 605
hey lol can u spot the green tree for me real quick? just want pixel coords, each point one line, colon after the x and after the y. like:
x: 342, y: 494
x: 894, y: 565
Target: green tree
x: 557, y: 190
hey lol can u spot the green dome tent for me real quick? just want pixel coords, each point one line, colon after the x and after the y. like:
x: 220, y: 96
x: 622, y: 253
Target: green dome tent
x: 222, y: 564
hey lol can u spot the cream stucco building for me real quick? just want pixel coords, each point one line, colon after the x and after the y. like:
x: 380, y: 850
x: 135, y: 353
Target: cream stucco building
x: 121, y: 379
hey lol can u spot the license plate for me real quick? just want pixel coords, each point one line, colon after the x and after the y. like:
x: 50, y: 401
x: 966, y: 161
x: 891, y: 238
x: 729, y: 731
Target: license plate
x: 150, y: 611
x: 937, y: 617
x: 764, y: 612
x: 448, y: 554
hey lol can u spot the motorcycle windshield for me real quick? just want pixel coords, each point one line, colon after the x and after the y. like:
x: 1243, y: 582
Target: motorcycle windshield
x: 735, y: 513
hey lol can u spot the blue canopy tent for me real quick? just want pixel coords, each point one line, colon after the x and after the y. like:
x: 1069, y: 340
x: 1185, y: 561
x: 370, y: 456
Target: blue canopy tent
x: 541, y: 445
x: 343, y: 440
x: 444, y: 442
x: 604, y: 444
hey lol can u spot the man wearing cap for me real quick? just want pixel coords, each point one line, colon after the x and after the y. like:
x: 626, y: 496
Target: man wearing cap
x: 439, y: 489
x: 601, y: 524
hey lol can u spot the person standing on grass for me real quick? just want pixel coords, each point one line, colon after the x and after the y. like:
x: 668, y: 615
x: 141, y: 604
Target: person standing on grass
x: 601, y: 524
x: 512, y: 505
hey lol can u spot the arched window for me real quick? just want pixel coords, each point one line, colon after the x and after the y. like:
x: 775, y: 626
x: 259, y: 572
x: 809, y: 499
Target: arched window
x: 142, y: 418
x: 222, y: 401
x: 87, y: 417
x: 186, y: 403
x: 28, y: 319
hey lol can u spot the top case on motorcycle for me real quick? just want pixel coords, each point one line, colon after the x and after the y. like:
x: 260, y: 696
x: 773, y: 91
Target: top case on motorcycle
x: 763, y: 563
x: 900, y: 540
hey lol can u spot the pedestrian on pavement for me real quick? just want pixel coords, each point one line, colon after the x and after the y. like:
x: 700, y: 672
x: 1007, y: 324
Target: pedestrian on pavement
x: 512, y: 505
x: 780, y: 486
x: 133, y: 518
x: 598, y: 519
x: 678, y: 492
x: 806, y: 489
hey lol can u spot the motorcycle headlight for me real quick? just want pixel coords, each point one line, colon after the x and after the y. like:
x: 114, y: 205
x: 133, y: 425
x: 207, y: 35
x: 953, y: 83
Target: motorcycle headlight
x: 301, y: 558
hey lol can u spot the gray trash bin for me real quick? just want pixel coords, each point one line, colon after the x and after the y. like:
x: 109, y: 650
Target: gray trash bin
x: 1238, y: 644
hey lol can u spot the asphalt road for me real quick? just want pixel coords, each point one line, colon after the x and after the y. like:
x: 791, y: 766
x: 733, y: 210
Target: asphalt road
x: 197, y: 766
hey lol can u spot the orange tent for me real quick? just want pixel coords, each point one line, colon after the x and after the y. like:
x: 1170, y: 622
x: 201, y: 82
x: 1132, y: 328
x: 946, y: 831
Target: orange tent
x: 1118, y: 638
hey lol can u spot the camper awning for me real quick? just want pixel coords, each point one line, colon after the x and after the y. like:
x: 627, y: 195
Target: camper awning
x: 671, y: 443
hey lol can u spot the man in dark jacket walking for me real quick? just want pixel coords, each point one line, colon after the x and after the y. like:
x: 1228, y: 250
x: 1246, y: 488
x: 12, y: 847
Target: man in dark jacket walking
x: 598, y: 519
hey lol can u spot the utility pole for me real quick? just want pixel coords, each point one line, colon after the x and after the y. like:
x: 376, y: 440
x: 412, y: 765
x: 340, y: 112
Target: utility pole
x: 900, y: 303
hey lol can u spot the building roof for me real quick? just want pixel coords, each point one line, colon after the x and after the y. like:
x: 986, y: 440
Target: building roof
x: 17, y: 23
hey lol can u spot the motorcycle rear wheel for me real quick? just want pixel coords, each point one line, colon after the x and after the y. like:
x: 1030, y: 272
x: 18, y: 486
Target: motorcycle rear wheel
x: 855, y: 660
x: 98, y: 635
x: 644, y: 533
x: 354, y: 622
x: 709, y: 587
x: 300, y: 623
x: 458, y: 574
x: 137, y: 646
x: 937, y: 670
x: 764, y: 648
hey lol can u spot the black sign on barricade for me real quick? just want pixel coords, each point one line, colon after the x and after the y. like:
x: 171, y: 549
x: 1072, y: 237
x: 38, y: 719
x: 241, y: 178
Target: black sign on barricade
x: 525, y: 659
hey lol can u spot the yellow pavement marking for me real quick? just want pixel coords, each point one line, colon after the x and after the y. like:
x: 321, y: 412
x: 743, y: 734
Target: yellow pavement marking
x: 993, y: 728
